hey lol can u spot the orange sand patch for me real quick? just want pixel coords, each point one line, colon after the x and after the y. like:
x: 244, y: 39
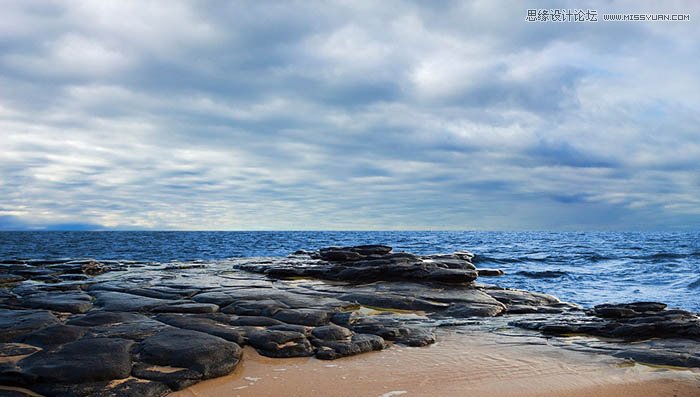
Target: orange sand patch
x: 476, y: 364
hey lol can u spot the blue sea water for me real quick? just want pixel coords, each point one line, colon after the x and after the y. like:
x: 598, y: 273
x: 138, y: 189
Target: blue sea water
x: 582, y: 267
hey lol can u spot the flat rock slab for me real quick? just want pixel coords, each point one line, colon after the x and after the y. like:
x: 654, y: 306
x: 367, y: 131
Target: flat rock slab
x: 71, y: 302
x: 54, y: 335
x: 14, y: 324
x: 187, y: 307
x: 123, y: 302
x: 310, y: 317
x: 130, y: 387
x: 206, y: 325
x: 106, y: 359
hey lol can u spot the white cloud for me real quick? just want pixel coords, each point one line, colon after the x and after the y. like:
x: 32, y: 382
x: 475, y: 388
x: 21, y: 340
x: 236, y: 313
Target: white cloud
x: 319, y: 116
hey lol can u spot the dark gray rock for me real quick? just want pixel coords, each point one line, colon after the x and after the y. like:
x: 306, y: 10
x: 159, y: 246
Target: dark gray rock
x: 490, y: 272
x: 186, y: 307
x: 218, y: 298
x: 206, y: 325
x: 626, y: 310
x: 339, y: 254
x: 302, y: 329
x: 310, y: 317
x: 261, y: 307
x: 389, y: 328
x: 208, y: 355
x: 174, y: 379
x: 71, y: 302
x: 131, y: 387
x: 134, y: 330
x: 392, y: 301
x: 14, y: 324
x: 10, y: 278
x: 333, y: 349
x: 123, y: 302
x: 331, y: 332
x: 461, y: 310
x: 255, y: 321
x: 16, y: 349
x: 54, y: 335
x: 280, y: 344
x: 101, y: 318
x: 85, y: 360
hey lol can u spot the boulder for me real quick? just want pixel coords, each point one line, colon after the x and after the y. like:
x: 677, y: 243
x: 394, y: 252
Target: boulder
x: 208, y: 355
x: 280, y: 344
x: 85, y: 360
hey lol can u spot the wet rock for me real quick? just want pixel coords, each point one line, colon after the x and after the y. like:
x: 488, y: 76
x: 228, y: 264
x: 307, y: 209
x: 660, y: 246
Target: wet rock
x: 54, y: 335
x: 473, y: 310
x: 357, y: 344
x: 208, y: 355
x: 131, y: 387
x: 310, y: 317
x: 632, y: 322
x: 14, y: 324
x: 331, y: 332
x: 89, y: 267
x: 490, y: 272
x: 332, y: 254
x: 101, y: 318
x: 262, y: 307
x: 85, y: 360
x: 256, y: 321
x: 60, y: 302
x: 280, y: 344
x: 372, y: 263
x: 135, y: 330
x: 218, y: 298
x: 174, y: 378
x: 450, y: 275
x: 626, y: 310
x: 16, y: 349
x: 206, y: 325
x: 10, y: 278
x: 157, y: 292
x: 450, y: 261
x: 391, y: 301
x: 123, y: 302
x: 302, y: 329
x: 186, y: 307
x: 517, y: 297
x: 390, y: 328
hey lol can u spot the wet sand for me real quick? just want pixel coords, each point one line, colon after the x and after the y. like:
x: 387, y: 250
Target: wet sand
x: 473, y: 364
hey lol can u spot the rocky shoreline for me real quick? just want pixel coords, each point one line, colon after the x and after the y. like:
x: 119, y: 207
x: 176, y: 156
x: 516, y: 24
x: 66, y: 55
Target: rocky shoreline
x: 114, y: 328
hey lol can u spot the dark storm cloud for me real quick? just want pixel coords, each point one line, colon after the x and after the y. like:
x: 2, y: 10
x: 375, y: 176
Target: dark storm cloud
x: 350, y: 115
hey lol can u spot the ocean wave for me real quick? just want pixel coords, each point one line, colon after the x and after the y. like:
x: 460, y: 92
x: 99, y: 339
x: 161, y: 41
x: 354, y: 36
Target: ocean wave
x: 695, y: 284
x: 661, y: 256
x: 519, y: 259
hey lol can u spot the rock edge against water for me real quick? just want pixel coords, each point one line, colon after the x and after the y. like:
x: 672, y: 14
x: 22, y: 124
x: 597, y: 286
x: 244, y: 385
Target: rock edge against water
x: 79, y: 328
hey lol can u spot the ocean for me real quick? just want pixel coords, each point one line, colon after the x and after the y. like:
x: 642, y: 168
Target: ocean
x: 587, y: 268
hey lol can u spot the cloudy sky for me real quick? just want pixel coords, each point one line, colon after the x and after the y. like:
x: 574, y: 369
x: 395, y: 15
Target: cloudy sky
x: 346, y: 115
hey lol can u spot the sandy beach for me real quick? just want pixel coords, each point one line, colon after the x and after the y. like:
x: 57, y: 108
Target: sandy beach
x: 474, y: 364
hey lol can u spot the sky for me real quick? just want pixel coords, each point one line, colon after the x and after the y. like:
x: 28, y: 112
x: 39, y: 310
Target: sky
x: 218, y: 115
